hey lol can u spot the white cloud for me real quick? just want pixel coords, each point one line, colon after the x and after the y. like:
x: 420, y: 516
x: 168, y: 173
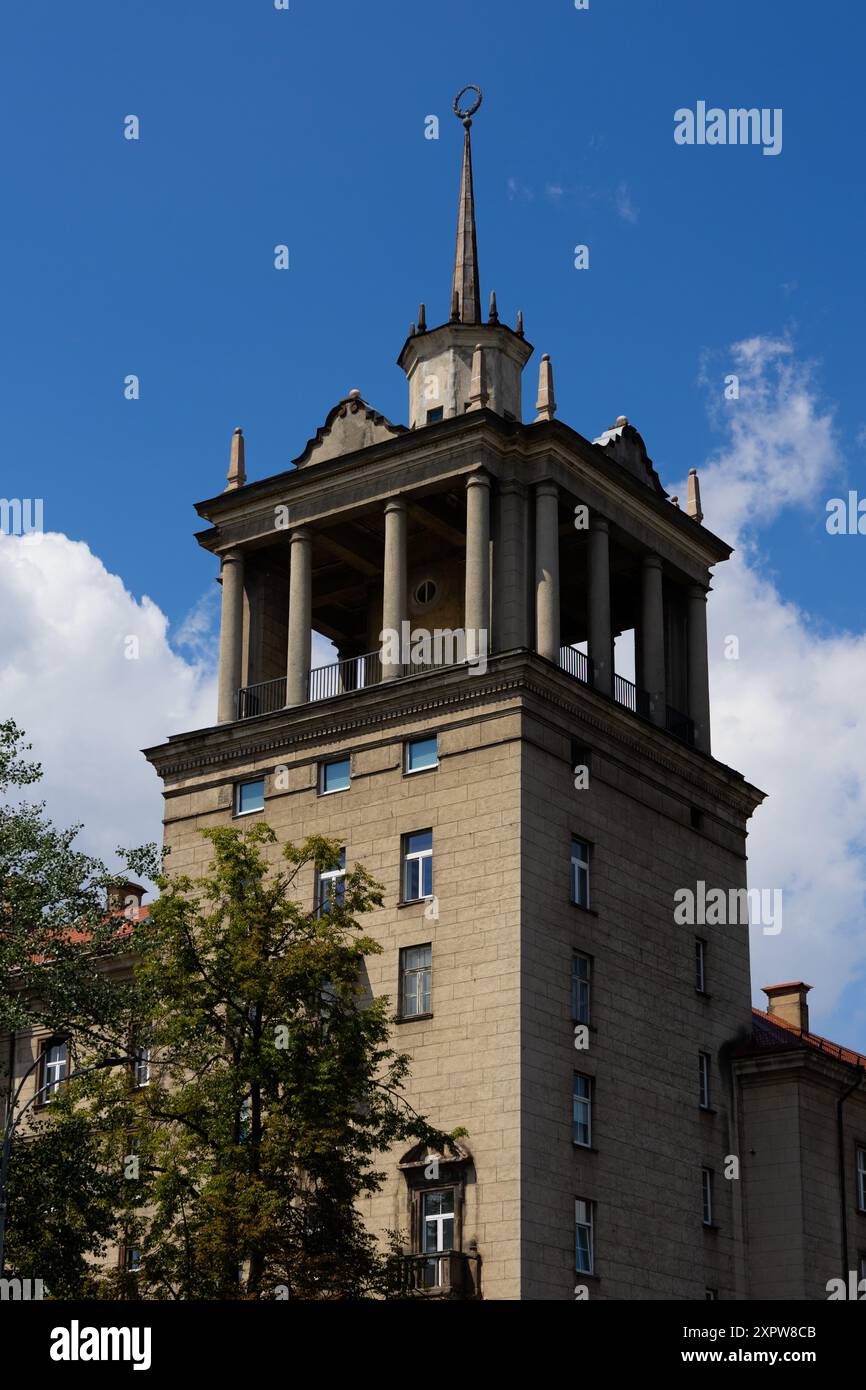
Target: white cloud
x: 624, y: 206
x: 790, y: 713
x: 86, y: 707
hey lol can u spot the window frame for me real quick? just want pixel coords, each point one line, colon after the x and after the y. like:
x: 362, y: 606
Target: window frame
x: 585, y: 1101
x: 588, y: 1224
x: 44, y: 1094
x: 707, y: 1198
x: 334, y: 762
x: 704, y: 1092
x: 408, y: 857
x: 860, y: 1170
x: 141, y: 1064
x: 700, y: 965
x: 404, y: 973
x: 576, y: 864
x: 586, y: 981
x: 236, y: 803
x: 324, y: 877
x: 417, y: 771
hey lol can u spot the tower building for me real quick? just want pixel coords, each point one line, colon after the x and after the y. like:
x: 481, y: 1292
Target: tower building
x: 530, y: 811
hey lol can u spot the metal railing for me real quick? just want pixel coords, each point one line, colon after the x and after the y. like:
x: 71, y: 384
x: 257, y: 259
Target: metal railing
x: 445, y: 1274
x: 355, y: 673
x: 265, y: 698
x: 627, y: 694
x: 575, y: 663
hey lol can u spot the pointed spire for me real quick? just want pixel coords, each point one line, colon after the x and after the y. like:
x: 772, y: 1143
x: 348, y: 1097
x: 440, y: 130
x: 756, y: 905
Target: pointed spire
x: 478, y: 393
x: 520, y: 323
x: 465, y: 279
x: 237, y: 473
x: 493, y: 315
x: 545, y: 405
x: 693, y: 499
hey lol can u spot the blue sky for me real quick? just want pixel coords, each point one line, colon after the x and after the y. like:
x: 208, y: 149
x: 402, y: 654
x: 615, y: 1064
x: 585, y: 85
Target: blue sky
x: 306, y: 127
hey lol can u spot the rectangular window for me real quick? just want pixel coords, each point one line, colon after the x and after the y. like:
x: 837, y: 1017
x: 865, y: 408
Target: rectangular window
x: 707, y: 1195
x: 704, y: 1079
x: 580, y: 873
x: 55, y: 1059
x: 335, y: 776
x: 700, y: 965
x: 861, y: 1179
x: 416, y: 978
x: 332, y: 885
x: 710, y: 1295
x: 581, y: 1108
x: 584, y: 1249
x: 249, y: 796
x: 417, y: 865
x: 422, y: 754
x: 133, y: 1260
x: 581, y: 980
x: 141, y: 1066
x: 861, y: 1267
x: 434, y: 414
x: 437, y: 1220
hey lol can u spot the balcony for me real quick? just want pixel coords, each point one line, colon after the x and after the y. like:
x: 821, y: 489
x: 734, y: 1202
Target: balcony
x: 359, y: 672
x: 447, y: 1274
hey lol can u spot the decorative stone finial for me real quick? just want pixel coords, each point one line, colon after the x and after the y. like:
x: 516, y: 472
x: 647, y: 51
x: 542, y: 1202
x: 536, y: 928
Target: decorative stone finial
x: 693, y: 498
x: 493, y: 316
x: 478, y: 394
x: 354, y: 394
x: 676, y: 502
x: 237, y: 473
x: 520, y: 323
x: 422, y: 318
x: 545, y: 405
x: 621, y: 420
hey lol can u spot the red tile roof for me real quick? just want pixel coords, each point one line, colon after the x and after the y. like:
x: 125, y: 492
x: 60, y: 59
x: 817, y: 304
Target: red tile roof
x: 772, y: 1034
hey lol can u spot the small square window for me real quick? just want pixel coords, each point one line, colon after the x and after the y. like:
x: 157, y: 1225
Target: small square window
x: 580, y: 873
x: 249, y: 796
x: 434, y: 414
x: 422, y: 754
x: 335, y: 776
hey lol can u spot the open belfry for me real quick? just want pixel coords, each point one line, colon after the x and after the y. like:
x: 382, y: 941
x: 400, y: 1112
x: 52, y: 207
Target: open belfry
x: 530, y: 812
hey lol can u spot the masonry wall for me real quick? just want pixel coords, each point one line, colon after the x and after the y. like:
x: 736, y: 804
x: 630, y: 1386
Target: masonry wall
x: 650, y: 1138
x: 465, y: 1068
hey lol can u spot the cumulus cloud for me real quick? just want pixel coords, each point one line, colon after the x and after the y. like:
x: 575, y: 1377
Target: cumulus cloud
x: 789, y: 712
x: 89, y: 672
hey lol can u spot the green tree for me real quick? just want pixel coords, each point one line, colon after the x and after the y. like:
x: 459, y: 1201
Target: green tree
x: 273, y: 1083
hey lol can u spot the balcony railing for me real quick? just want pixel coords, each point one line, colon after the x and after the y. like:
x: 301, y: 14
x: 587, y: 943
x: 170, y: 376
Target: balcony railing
x: 359, y: 672
x: 447, y: 1274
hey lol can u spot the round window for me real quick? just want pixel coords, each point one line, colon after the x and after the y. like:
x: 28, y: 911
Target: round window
x: 425, y: 593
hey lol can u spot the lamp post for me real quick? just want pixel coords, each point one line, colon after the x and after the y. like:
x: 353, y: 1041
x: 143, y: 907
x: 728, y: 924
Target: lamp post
x: 12, y: 1122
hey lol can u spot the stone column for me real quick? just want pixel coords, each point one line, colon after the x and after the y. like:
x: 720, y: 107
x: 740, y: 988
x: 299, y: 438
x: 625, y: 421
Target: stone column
x: 300, y: 644
x: 231, y: 635
x: 394, y: 594
x: 510, y: 578
x: 698, y: 672
x: 652, y: 638
x: 547, y: 571
x: 600, y: 639
x: 476, y: 608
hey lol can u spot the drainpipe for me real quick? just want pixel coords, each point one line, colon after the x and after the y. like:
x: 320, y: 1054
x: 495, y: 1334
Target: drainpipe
x: 840, y: 1129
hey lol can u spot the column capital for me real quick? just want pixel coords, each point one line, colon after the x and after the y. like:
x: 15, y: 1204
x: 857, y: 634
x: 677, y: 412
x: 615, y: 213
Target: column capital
x: 231, y: 557
x: 698, y: 592
x: 479, y: 479
x: 651, y: 561
x: 300, y: 533
x: 396, y: 504
x: 597, y: 522
x: 511, y: 487
x: 547, y: 488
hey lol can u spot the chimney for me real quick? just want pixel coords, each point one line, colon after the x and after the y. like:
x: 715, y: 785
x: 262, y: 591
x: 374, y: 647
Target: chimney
x: 125, y: 898
x: 788, y: 1003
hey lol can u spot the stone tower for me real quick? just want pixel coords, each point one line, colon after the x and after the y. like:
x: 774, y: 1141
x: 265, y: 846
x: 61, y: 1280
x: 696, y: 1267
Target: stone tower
x: 530, y: 812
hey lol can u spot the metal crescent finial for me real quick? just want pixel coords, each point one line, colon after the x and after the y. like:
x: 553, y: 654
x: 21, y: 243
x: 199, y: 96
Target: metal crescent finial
x: 466, y: 116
